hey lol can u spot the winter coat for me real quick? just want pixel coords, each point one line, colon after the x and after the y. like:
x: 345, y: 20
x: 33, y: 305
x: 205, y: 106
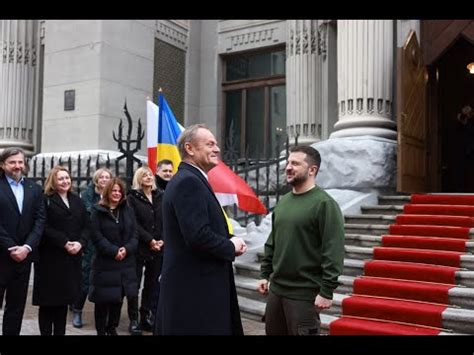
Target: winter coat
x: 57, y: 275
x: 149, y: 221
x: 111, y: 279
x: 197, y: 288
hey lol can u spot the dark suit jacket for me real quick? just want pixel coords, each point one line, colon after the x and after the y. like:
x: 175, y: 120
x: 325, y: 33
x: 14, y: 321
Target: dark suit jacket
x: 197, y: 294
x: 16, y: 228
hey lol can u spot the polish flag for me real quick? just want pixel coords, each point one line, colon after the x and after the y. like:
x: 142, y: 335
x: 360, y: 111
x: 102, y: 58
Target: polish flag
x: 151, y: 133
x: 231, y: 188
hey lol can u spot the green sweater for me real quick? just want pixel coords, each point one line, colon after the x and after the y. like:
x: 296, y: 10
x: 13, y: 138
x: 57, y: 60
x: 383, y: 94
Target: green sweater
x: 304, y: 253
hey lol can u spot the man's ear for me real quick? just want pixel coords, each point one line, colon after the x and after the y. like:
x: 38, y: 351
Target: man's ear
x: 188, y: 147
x: 314, y: 169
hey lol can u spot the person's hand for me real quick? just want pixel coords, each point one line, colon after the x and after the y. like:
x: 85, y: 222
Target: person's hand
x: 263, y: 286
x: 73, y: 247
x: 322, y: 303
x: 239, y: 245
x: 121, y: 254
x: 18, y: 253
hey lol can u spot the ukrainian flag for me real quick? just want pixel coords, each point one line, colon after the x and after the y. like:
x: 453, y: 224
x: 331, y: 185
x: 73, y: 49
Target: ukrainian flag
x: 168, y: 132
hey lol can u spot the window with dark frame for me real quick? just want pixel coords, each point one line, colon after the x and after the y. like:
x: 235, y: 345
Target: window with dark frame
x: 69, y: 100
x: 254, y: 90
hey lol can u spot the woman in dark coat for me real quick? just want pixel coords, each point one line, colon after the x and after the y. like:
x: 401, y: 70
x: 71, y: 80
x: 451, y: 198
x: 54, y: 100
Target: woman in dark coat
x: 58, y: 273
x: 113, y: 274
x: 90, y: 197
x: 146, y: 201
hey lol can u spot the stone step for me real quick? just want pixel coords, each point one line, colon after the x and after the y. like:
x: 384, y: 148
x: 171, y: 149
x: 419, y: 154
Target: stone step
x: 354, y: 267
x: 462, y: 297
x: 372, y: 229
x: 397, y: 200
x: 250, y: 308
x: 378, y: 219
x: 247, y: 269
x: 459, y: 320
x: 387, y: 210
x: 247, y: 287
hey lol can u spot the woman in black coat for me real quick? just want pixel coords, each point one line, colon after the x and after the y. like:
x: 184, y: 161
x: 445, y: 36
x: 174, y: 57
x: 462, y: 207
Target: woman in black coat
x: 146, y: 201
x: 58, y: 272
x: 113, y: 273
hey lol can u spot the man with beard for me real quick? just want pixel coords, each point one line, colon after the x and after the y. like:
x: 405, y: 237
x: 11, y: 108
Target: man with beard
x: 22, y: 219
x: 304, y: 253
x: 164, y: 173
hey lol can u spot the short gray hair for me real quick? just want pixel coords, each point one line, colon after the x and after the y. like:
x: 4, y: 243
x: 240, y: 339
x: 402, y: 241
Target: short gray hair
x: 188, y: 135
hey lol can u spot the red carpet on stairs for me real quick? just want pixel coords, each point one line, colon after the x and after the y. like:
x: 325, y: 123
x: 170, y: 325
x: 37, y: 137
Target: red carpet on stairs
x: 402, y: 289
x: 352, y: 326
x: 436, y: 231
x: 443, y: 199
x: 405, y: 288
x: 448, y: 210
x: 425, y: 256
x: 409, y: 241
x: 458, y: 221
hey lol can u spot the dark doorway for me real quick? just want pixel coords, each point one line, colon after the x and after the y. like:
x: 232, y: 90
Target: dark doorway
x: 456, y: 94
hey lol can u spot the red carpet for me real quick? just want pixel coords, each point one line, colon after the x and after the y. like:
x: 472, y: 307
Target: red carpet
x: 435, y: 231
x: 458, y: 221
x: 443, y: 199
x: 405, y: 289
x: 352, y: 326
x: 395, y: 310
x: 411, y: 271
x: 449, y: 210
x: 425, y: 256
x: 402, y: 289
x: 409, y: 241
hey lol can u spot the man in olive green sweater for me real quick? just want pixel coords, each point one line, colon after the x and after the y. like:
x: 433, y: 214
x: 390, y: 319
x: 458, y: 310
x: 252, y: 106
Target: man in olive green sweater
x: 304, y: 253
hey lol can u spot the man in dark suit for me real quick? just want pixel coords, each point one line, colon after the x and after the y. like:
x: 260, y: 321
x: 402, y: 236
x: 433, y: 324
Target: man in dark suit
x: 22, y: 219
x: 198, y: 295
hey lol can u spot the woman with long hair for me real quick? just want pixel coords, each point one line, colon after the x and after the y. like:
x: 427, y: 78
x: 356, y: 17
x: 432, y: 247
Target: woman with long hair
x: 113, y: 274
x: 57, y: 274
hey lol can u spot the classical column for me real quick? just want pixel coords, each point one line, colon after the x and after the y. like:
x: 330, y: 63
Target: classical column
x: 303, y: 81
x: 365, y: 78
x: 17, y: 82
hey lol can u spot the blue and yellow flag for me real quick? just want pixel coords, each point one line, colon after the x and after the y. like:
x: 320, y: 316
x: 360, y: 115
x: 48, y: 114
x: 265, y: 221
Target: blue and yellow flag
x: 168, y: 133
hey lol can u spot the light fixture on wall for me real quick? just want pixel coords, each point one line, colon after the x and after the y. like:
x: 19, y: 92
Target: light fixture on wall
x: 470, y: 67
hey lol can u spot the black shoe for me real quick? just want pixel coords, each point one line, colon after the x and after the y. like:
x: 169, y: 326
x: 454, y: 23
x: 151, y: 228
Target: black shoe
x: 146, y: 323
x: 77, y: 319
x: 111, y: 332
x: 134, y: 328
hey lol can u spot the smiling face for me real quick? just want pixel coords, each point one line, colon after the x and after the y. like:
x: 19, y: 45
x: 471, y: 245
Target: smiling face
x: 147, y: 179
x: 103, y: 179
x: 62, y: 182
x: 298, y: 171
x: 203, y: 150
x: 165, y: 171
x: 115, y: 194
x: 14, y: 166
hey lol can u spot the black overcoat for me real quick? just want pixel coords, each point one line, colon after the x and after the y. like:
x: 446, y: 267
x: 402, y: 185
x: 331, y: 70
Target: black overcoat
x: 57, y: 277
x: 197, y: 295
x: 111, y: 279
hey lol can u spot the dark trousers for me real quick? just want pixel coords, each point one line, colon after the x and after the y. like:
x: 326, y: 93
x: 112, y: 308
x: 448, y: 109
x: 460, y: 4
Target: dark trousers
x: 78, y: 304
x: 52, y: 320
x: 14, y: 285
x: 107, y: 317
x: 284, y: 316
x: 149, y: 299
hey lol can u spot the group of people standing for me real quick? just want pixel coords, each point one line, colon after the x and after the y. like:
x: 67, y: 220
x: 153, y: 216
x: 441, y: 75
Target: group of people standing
x: 92, y: 246
x: 179, y: 240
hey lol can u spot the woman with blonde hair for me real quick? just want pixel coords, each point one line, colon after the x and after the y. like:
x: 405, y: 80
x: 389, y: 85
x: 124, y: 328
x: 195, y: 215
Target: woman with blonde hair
x: 90, y: 197
x: 113, y: 274
x: 146, y: 201
x: 57, y: 275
